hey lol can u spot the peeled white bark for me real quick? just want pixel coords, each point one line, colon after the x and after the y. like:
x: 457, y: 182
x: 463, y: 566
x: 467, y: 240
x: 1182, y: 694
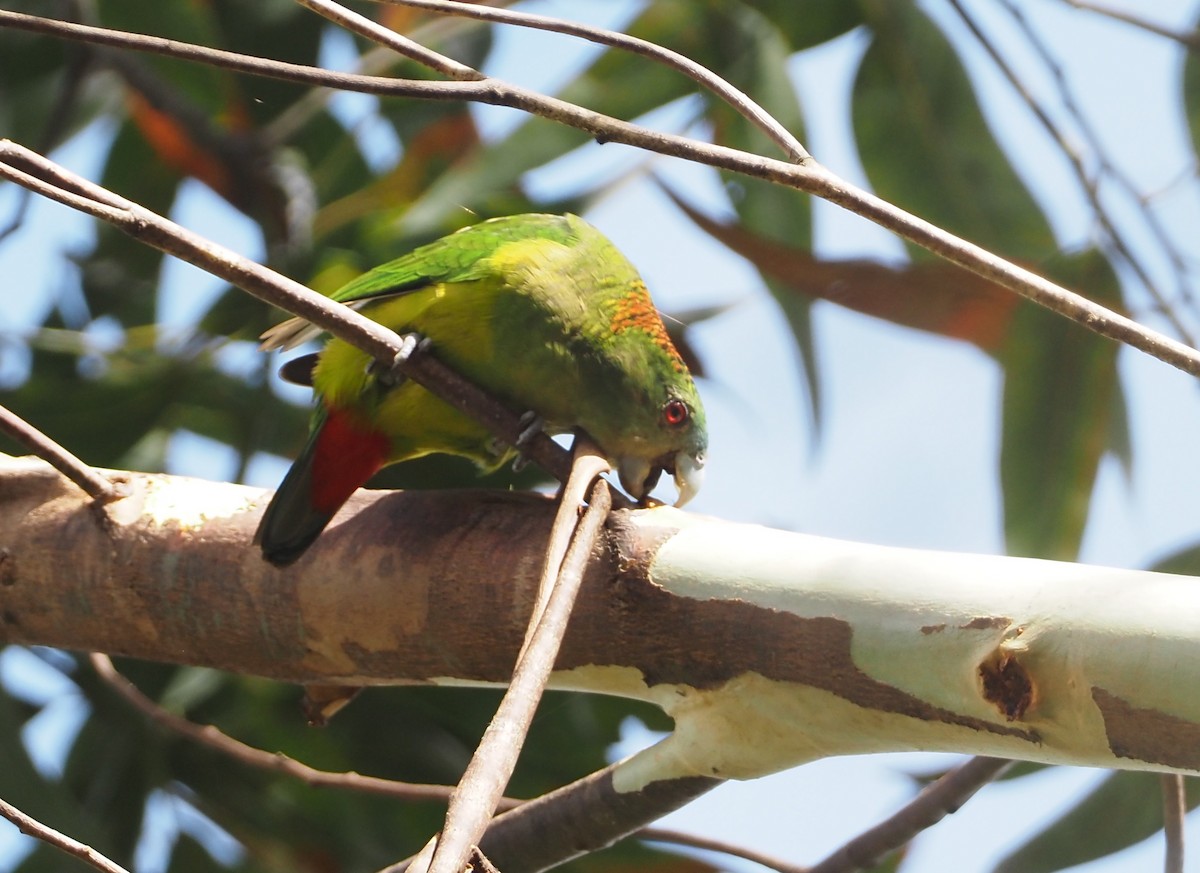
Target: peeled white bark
x: 899, y: 649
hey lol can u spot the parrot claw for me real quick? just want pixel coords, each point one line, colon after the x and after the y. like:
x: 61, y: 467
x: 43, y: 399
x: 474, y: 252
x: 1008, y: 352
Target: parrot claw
x: 391, y: 375
x: 531, y: 425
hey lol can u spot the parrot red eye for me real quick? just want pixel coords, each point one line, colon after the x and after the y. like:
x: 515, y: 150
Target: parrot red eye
x: 675, y: 413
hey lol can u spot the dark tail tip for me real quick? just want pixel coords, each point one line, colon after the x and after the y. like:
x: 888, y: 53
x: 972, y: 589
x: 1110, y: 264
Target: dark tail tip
x: 287, y: 551
x: 288, y: 527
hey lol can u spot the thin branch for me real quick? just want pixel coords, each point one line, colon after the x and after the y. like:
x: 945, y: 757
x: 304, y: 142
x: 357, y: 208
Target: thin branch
x: 931, y: 805
x: 385, y: 36
x: 278, y: 131
x: 1189, y: 39
x: 474, y: 800
x: 1174, y: 814
x: 20, y: 211
x: 585, y: 816
x: 52, y: 181
x: 96, y: 486
x: 587, y: 465
x: 698, y: 73
x: 274, y: 762
x: 250, y: 64
x: 1106, y: 167
x: 1087, y: 182
x: 709, y: 844
x: 214, y: 738
x: 34, y: 828
x: 57, y: 123
x: 807, y: 176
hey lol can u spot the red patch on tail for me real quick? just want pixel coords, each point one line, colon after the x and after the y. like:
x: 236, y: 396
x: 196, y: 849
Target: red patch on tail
x: 348, y: 453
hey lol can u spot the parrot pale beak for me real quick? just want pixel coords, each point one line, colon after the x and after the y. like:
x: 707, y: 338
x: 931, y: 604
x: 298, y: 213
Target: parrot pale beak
x: 639, y: 476
x: 689, y: 476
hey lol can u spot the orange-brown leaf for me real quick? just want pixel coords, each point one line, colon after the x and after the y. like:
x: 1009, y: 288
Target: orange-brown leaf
x: 936, y: 297
x: 176, y: 147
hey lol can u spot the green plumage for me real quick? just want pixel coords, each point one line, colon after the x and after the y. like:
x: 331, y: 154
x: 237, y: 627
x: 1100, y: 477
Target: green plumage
x: 539, y: 310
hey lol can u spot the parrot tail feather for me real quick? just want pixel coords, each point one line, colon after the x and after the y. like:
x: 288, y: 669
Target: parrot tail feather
x: 341, y: 455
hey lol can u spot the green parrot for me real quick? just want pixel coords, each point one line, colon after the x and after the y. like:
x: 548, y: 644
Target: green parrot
x: 542, y: 312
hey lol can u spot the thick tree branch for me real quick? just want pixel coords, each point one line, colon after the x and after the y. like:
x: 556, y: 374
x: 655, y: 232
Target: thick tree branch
x: 807, y: 176
x: 1005, y: 657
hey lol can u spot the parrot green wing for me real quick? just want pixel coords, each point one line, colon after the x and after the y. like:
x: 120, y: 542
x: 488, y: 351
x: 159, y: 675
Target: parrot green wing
x: 459, y: 257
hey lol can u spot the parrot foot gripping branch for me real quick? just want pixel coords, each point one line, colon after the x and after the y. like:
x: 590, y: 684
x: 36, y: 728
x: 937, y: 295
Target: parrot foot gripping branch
x: 394, y: 375
x: 531, y: 424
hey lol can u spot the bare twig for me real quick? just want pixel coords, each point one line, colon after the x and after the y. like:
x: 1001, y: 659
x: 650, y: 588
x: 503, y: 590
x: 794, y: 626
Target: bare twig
x: 1087, y: 181
x: 1190, y: 39
x: 1174, y: 813
x: 214, y: 57
x: 930, y: 806
x: 474, y: 800
x: 58, y: 457
x: 280, y: 129
x: 585, y: 816
x: 385, y: 36
x: 1106, y: 167
x: 50, y: 836
x: 274, y: 762
x: 698, y: 73
x: 20, y: 210
x: 808, y: 176
x: 49, y: 179
x: 213, y: 738
x: 708, y: 844
x: 56, y: 126
x: 587, y: 465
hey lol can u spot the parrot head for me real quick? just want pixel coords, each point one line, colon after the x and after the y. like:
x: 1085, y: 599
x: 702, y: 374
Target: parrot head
x: 678, y: 447
x: 641, y: 405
